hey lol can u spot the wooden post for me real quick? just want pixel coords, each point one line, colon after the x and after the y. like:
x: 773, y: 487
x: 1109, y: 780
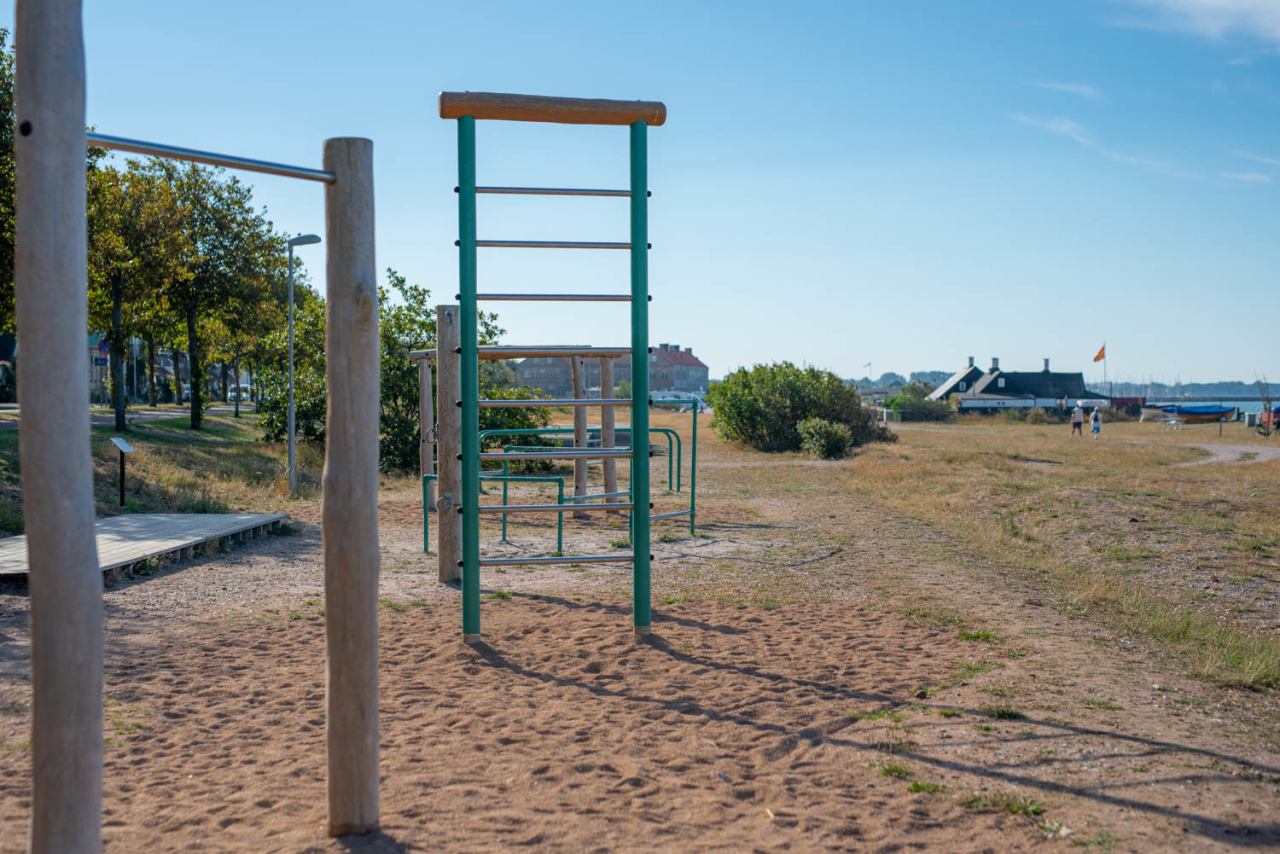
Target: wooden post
x: 449, y: 378
x: 579, y: 431
x: 606, y: 428
x: 65, y: 586
x: 349, y: 514
x: 426, y: 426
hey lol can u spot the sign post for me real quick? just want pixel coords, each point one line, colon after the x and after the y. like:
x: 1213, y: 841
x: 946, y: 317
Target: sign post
x: 124, y: 449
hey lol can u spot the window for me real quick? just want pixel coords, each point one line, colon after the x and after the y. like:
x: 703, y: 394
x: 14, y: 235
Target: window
x: 1000, y: 382
x: 963, y: 385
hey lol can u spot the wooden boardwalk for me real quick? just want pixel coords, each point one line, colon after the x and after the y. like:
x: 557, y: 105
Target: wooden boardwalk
x: 126, y: 540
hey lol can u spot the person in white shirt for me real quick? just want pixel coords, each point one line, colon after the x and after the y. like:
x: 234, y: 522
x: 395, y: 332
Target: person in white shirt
x: 1095, y: 422
x: 1077, y: 420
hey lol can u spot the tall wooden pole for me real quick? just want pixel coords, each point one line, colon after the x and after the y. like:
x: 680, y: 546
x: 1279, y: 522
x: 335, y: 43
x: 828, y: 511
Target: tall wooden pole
x: 57, y: 477
x: 449, y: 376
x: 579, y: 431
x: 607, y: 439
x: 350, y: 510
x: 426, y: 426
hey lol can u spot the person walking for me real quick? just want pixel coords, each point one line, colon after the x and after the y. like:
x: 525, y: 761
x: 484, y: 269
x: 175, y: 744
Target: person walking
x: 1077, y: 420
x: 1095, y: 422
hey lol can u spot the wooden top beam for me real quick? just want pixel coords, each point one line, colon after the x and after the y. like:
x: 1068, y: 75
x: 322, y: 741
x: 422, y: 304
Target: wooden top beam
x: 541, y: 108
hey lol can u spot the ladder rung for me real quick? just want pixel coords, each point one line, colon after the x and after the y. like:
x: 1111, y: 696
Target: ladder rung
x: 560, y: 454
x: 550, y: 191
x: 549, y: 244
x: 669, y: 515
x: 540, y: 402
x: 521, y: 561
x: 552, y: 508
x: 592, y: 495
x: 514, y: 351
x: 554, y: 297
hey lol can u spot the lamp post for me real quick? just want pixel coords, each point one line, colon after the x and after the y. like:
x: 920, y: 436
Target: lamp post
x: 301, y: 240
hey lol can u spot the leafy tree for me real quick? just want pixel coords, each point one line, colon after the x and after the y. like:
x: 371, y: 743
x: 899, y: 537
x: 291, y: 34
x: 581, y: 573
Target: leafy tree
x: 763, y: 407
x: 912, y: 403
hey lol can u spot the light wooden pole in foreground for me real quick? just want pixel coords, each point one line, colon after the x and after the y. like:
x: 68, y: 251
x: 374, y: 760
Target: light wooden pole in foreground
x: 449, y: 377
x: 57, y: 477
x: 350, y: 510
x: 606, y: 429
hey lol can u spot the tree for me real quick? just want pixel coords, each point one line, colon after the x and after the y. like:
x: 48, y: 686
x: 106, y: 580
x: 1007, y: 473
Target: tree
x: 138, y: 250
x: 232, y: 242
x: 912, y: 403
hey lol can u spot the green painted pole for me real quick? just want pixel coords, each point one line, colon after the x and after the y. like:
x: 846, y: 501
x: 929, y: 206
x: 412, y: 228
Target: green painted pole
x: 640, y: 375
x: 470, y: 371
x: 693, y: 470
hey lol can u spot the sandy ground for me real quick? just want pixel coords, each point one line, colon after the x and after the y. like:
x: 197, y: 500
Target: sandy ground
x: 858, y: 718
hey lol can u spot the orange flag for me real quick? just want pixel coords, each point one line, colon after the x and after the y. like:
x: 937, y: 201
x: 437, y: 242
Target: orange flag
x: 1102, y: 354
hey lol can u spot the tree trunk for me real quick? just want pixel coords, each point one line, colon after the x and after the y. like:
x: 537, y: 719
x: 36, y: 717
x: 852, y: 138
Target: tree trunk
x: 197, y: 375
x: 117, y: 357
x: 151, y: 375
x: 236, y: 367
x: 224, y: 382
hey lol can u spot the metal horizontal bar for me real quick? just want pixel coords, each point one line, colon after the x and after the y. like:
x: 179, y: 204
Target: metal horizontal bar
x: 556, y: 297
x: 549, y: 508
x: 549, y: 191
x: 566, y: 401
x: 230, y: 161
x: 559, y: 454
x: 522, y: 561
x: 684, y: 512
x: 599, y: 495
x: 549, y: 244
x: 513, y: 351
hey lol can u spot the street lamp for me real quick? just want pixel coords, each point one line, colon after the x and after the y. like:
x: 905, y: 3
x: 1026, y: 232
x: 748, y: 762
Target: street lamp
x: 301, y: 240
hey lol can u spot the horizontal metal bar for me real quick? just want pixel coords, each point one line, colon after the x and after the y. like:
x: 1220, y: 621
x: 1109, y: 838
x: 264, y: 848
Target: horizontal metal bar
x: 684, y: 512
x: 559, y: 454
x: 230, y: 161
x: 522, y: 561
x: 556, y: 297
x: 549, y: 191
x: 549, y: 508
x: 566, y: 401
x: 513, y: 351
x: 549, y: 244
x: 590, y: 496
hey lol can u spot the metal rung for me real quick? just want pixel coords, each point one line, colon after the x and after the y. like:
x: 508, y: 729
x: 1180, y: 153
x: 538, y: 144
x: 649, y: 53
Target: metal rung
x: 522, y: 561
x: 549, y: 244
x: 514, y: 351
x: 560, y: 454
x: 555, y: 297
x: 669, y: 515
x: 550, y: 191
x: 540, y: 402
x: 600, y: 495
x: 550, y: 508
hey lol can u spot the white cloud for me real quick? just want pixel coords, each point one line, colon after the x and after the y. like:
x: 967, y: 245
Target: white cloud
x: 1073, y: 130
x: 1081, y: 89
x: 1258, y: 158
x: 1249, y: 177
x: 1214, y: 19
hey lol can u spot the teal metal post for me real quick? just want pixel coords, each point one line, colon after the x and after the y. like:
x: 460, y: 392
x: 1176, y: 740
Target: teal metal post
x: 693, y: 470
x: 639, y: 375
x: 470, y: 370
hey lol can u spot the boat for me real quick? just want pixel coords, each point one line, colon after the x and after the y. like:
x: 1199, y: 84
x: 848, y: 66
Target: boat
x: 1200, y: 414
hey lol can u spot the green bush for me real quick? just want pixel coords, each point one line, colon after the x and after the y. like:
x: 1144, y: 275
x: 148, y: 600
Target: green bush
x: 823, y: 439
x: 913, y: 404
x: 763, y: 407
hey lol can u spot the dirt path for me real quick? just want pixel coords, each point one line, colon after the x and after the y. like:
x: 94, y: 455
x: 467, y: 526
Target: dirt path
x: 1233, y: 454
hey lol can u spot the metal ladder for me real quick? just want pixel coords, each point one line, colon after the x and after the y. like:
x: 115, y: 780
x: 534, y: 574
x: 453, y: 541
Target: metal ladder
x: 466, y: 108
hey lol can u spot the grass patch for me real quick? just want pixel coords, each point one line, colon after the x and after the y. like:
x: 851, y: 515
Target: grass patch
x: 926, y: 787
x: 501, y: 594
x: 393, y: 605
x: 1001, y: 712
x: 893, y: 769
x: 976, y: 636
x: 1003, y: 801
x: 1100, y: 703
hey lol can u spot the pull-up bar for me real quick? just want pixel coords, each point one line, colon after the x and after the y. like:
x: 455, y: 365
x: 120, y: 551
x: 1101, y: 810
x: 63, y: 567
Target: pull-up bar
x: 543, y: 108
x: 230, y: 161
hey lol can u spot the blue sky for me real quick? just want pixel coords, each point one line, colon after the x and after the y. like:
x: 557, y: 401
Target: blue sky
x: 903, y: 183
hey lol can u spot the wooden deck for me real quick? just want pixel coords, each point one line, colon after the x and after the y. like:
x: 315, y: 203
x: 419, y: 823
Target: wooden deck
x: 126, y: 540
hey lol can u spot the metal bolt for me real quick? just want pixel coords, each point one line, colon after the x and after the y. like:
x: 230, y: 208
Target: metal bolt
x: 25, y: 128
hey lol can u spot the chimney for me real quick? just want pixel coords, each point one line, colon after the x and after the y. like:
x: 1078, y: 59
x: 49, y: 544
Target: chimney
x: 689, y: 350
x: 664, y: 346
x: 1046, y: 366
x: 971, y: 361
x: 995, y: 364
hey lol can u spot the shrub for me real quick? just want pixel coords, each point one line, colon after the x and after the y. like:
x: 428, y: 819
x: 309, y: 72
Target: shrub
x: 763, y: 407
x: 823, y: 439
x: 913, y: 404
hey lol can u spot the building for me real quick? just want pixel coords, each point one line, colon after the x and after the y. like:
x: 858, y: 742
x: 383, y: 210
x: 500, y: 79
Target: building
x: 973, y: 388
x: 670, y: 369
